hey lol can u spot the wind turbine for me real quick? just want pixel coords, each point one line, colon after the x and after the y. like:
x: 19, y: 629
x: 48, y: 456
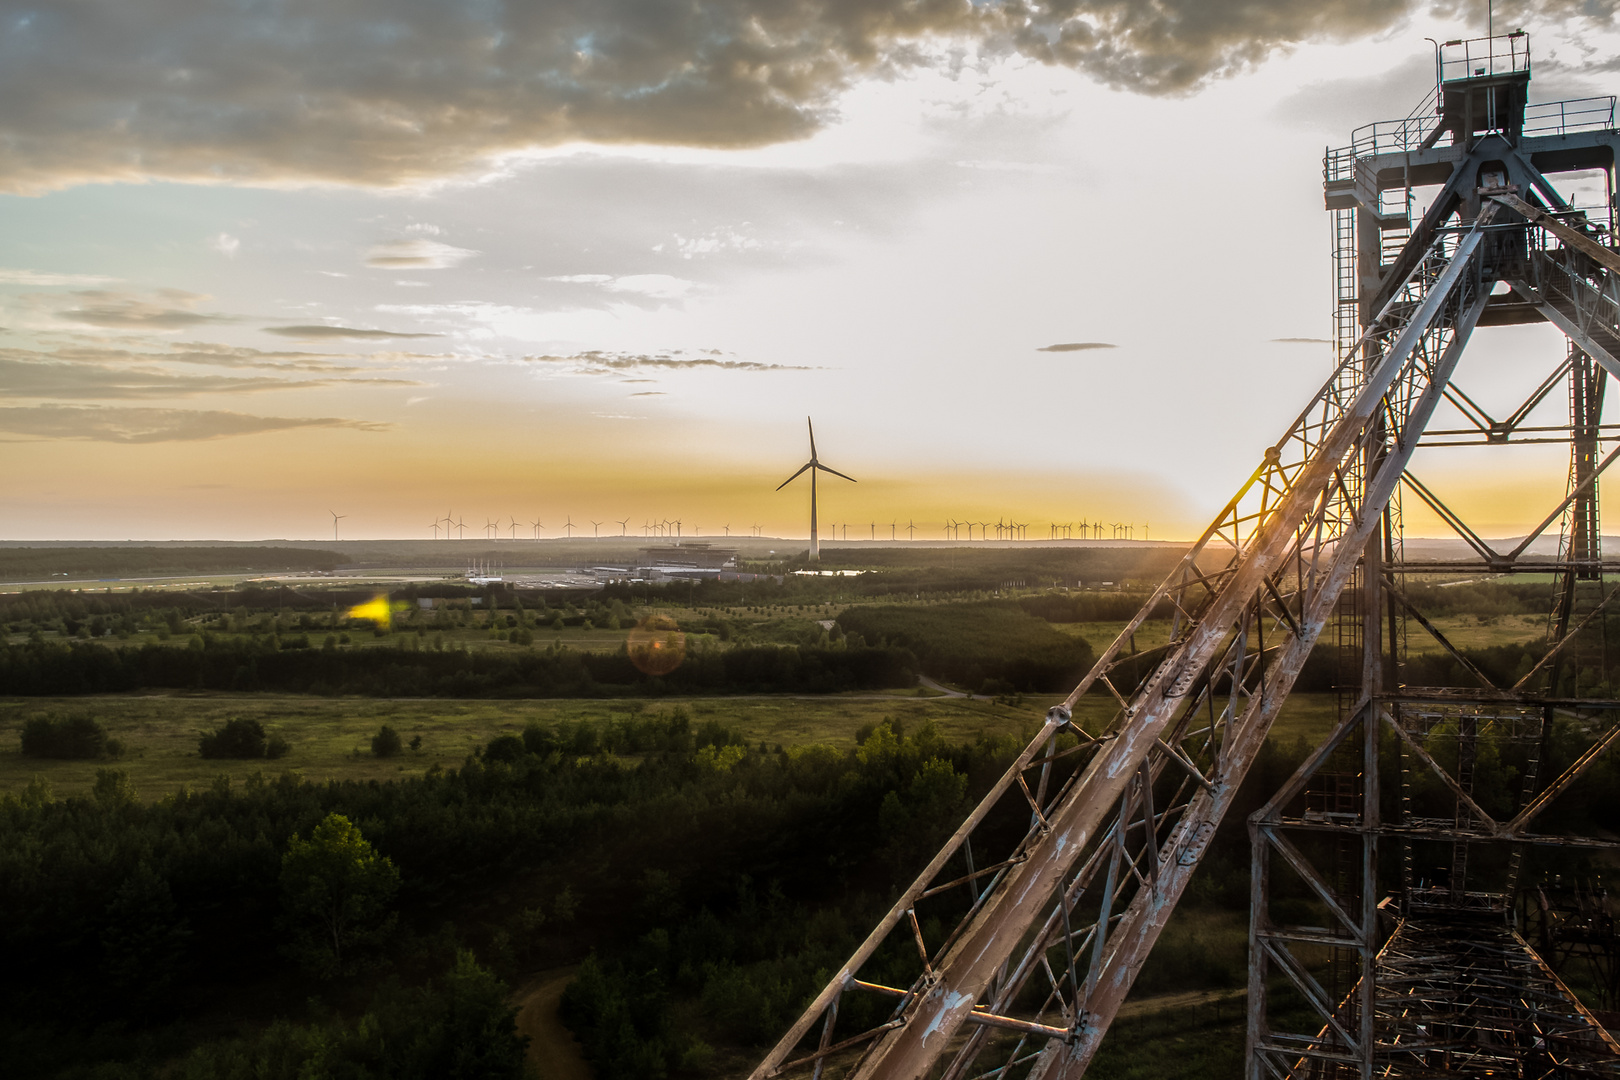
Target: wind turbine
x: 336, y: 517
x: 492, y: 529
x: 623, y: 526
x: 461, y: 529
x: 727, y: 527
x: 435, y: 528
x: 535, y: 526
x: 596, y: 530
x: 569, y: 526
x: 911, y: 529
x: 514, y: 526
x: 813, y: 466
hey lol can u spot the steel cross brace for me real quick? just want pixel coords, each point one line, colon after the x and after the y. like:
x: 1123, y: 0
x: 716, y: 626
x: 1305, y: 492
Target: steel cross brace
x: 1310, y: 526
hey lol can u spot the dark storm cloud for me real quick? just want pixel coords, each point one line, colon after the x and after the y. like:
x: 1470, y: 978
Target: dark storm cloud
x: 316, y: 333
x: 378, y: 92
x: 1077, y: 346
x: 92, y: 423
x: 601, y: 363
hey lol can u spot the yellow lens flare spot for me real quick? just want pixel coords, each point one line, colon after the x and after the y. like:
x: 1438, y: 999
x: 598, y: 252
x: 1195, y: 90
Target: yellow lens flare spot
x: 378, y: 610
x: 656, y: 645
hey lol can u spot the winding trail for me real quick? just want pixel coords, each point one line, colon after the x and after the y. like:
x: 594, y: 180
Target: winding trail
x: 553, y: 1050
x: 940, y: 688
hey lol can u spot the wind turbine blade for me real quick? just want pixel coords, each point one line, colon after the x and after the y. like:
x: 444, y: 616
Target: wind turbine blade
x: 835, y: 472
x: 812, y: 438
x: 795, y: 476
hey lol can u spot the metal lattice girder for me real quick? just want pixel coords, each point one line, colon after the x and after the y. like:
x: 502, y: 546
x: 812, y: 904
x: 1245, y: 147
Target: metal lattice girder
x: 1574, y: 283
x: 1078, y: 901
x: 1424, y: 721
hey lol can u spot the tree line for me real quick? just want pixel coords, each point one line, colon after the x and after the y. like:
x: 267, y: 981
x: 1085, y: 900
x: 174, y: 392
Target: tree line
x: 44, y: 667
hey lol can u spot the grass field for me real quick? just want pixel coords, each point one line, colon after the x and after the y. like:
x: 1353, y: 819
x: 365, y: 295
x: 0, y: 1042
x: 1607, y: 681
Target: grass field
x: 330, y: 738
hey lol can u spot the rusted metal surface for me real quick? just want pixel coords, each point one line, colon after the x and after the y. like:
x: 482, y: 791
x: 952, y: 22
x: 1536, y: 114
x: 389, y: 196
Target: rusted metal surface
x: 1055, y: 889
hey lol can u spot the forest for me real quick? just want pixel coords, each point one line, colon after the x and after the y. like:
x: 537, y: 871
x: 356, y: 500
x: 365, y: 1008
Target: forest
x: 696, y: 884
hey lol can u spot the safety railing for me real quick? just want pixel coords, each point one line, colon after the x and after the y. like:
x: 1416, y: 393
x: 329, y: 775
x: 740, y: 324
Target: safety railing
x: 1564, y: 117
x: 1477, y: 58
x: 1385, y: 136
x: 1410, y: 132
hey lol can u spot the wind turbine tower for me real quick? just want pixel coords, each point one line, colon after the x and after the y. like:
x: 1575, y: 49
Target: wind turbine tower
x: 336, y: 517
x: 813, y: 466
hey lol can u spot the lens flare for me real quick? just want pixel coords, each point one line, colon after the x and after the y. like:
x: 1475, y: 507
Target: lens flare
x: 656, y: 645
x: 376, y: 609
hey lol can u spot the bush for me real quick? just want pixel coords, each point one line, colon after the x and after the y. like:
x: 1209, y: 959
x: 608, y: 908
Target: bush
x: 77, y: 738
x: 386, y: 743
x: 505, y: 748
x: 239, y: 739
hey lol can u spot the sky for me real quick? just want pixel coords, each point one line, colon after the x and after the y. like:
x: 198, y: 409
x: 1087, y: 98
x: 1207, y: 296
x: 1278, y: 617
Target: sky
x: 1036, y: 260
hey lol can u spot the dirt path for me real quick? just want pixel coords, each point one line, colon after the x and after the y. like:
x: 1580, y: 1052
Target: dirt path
x: 552, y: 1047
x: 932, y: 685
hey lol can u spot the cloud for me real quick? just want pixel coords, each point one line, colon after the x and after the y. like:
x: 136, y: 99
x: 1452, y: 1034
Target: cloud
x: 319, y: 332
x: 201, y: 353
x: 725, y: 239
x: 377, y: 93
x: 94, y: 423
x: 225, y: 244
x: 648, y: 393
x: 93, y: 373
x: 655, y: 286
x: 166, y: 309
x: 1300, y: 341
x: 417, y: 255
x: 1076, y: 346
x: 21, y: 378
x: 603, y: 363
x: 1335, y: 107
x: 42, y: 277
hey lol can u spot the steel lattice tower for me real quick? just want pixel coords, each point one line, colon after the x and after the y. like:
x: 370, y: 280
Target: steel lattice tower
x: 1021, y: 938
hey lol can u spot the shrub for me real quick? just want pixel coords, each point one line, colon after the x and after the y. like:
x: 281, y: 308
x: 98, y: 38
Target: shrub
x: 76, y: 738
x: 505, y: 748
x: 237, y: 739
x: 386, y: 743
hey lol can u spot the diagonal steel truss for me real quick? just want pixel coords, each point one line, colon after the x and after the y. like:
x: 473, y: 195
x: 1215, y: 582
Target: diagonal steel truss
x: 1058, y: 922
x: 1015, y: 946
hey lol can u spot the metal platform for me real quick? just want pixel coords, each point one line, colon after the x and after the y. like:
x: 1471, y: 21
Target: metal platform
x: 1464, y: 995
